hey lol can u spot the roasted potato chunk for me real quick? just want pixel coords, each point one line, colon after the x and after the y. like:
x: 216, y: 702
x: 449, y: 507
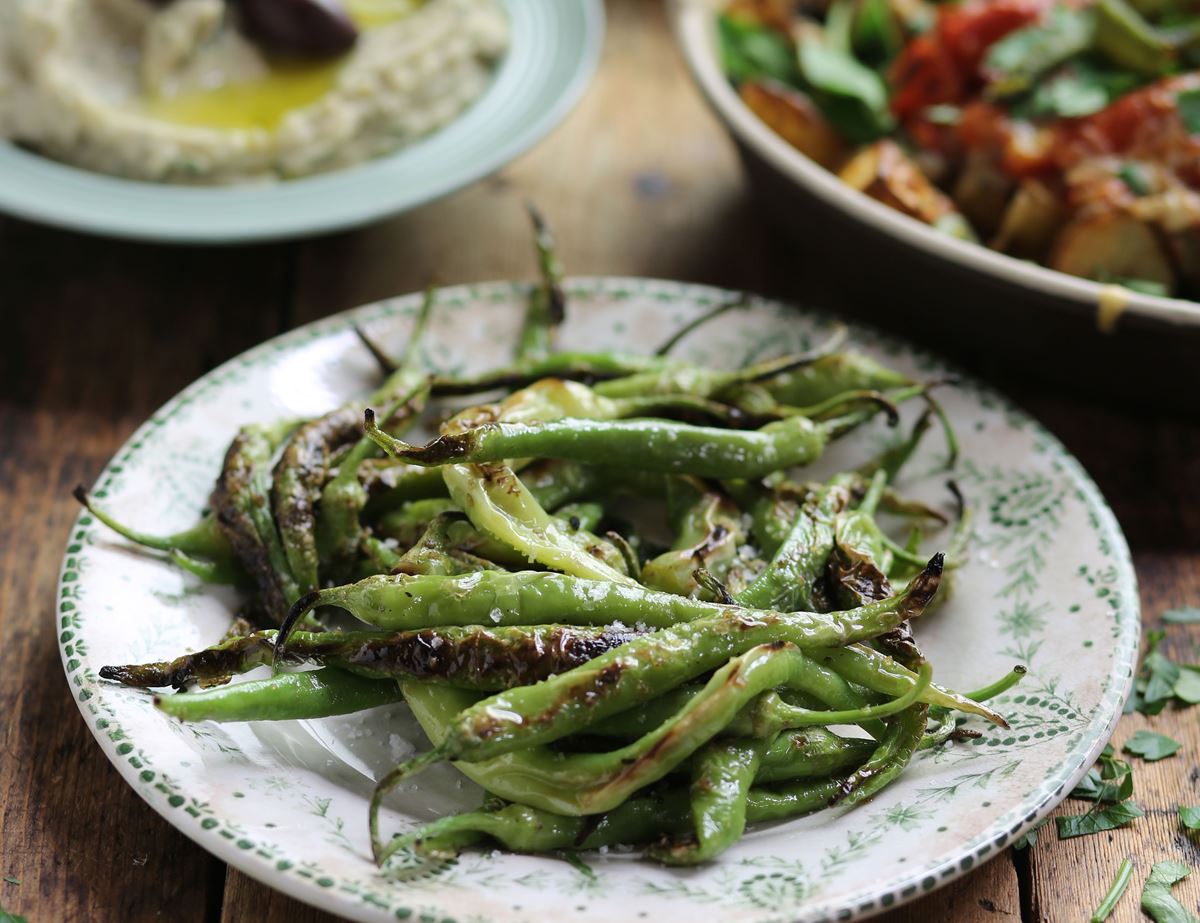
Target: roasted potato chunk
x: 1184, y: 247
x: 981, y: 191
x: 884, y: 172
x: 1110, y: 245
x: 1029, y: 223
x: 796, y: 119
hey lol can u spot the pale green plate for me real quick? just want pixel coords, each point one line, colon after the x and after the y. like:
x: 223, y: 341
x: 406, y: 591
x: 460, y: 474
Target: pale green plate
x: 1048, y: 584
x: 555, y: 48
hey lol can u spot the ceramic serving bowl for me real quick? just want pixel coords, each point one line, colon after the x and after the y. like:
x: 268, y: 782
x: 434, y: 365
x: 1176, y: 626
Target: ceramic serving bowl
x: 553, y: 54
x: 846, y: 225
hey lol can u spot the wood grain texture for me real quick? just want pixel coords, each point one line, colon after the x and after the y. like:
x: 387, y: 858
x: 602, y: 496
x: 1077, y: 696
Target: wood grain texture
x: 96, y: 336
x: 1149, y: 470
x: 989, y: 894
x: 639, y: 181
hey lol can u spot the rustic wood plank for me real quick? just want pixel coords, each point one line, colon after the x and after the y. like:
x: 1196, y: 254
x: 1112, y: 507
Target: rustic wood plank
x: 247, y: 899
x: 97, y: 335
x: 987, y: 895
x: 1074, y: 874
x: 1148, y: 469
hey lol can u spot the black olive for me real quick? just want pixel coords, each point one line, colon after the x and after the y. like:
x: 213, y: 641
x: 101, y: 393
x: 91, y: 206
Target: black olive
x: 303, y: 28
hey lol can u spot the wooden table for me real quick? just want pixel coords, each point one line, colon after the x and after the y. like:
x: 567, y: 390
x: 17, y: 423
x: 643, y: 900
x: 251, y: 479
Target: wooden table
x: 639, y: 181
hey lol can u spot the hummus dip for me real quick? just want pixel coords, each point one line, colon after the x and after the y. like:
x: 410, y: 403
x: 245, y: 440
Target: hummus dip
x: 175, y: 92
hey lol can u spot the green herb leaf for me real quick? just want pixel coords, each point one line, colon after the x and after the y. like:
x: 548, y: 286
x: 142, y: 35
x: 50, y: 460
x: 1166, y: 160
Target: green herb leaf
x: 1070, y: 96
x: 1151, y: 746
x: 1188, y: 104
x: 942, y: 114
x: 839, y: 23
x: 6, y: 917
x: 1134, y: 702
x: 850, y: 94
x: 1187, y: 687
x: 1117, y: 815
x: 1145, y: 286
x: 1161, y: 676
x: 750, y: 51
x: 1133, y: 175
x: 1157, y: 901
x: 1017, y: 60
x: 1160, y: 680
x: 1109, y: 780
x: 1030, y: 836
x: 1187, y: 615
x: 1190, y: 817
x: 1127, y: 40
x: 1078, y: 89
x: 876, y: 33
x: 1115, y: 890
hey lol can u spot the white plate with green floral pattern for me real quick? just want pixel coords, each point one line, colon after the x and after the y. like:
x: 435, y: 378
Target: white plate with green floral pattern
x: 1048, y: 583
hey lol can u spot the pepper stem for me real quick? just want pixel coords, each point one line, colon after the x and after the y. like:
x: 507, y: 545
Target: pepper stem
x: 157, y: 542
x: 390, y: 444
x: 697, y: 322
x: 300, y: 608
x: 381, y: 851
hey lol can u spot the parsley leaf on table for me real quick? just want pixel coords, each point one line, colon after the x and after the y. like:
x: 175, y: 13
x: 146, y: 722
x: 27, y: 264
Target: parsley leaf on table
x: 1187, y: 687
x: 1151, y: 746
x: 1185, y: 615
x: 1117, y: 815
x: 1189, y: 817
x: 1157, y: 901
x: 1110, y: 780
x: 1159, y: 679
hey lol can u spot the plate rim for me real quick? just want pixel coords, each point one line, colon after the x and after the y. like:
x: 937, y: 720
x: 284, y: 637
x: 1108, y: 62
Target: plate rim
x: 877, y: 898
x: 585, y: 53
x: 693, y: 32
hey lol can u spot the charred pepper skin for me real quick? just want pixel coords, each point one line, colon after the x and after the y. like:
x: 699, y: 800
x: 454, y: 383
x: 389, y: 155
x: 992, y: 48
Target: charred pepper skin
x: 636, y: 672
x: 329, y: 541
x: 241, y: 503
x: 299, y: 475
x: 473, y: 657
x: 660, y: 661
x: 651, y: 445
x: 532, y: 597
x: 735, y: 694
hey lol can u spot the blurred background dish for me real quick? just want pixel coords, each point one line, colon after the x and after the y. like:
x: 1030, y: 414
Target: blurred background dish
x: 552, y: 50
x: 223, y: 92
x: 805, y: 196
